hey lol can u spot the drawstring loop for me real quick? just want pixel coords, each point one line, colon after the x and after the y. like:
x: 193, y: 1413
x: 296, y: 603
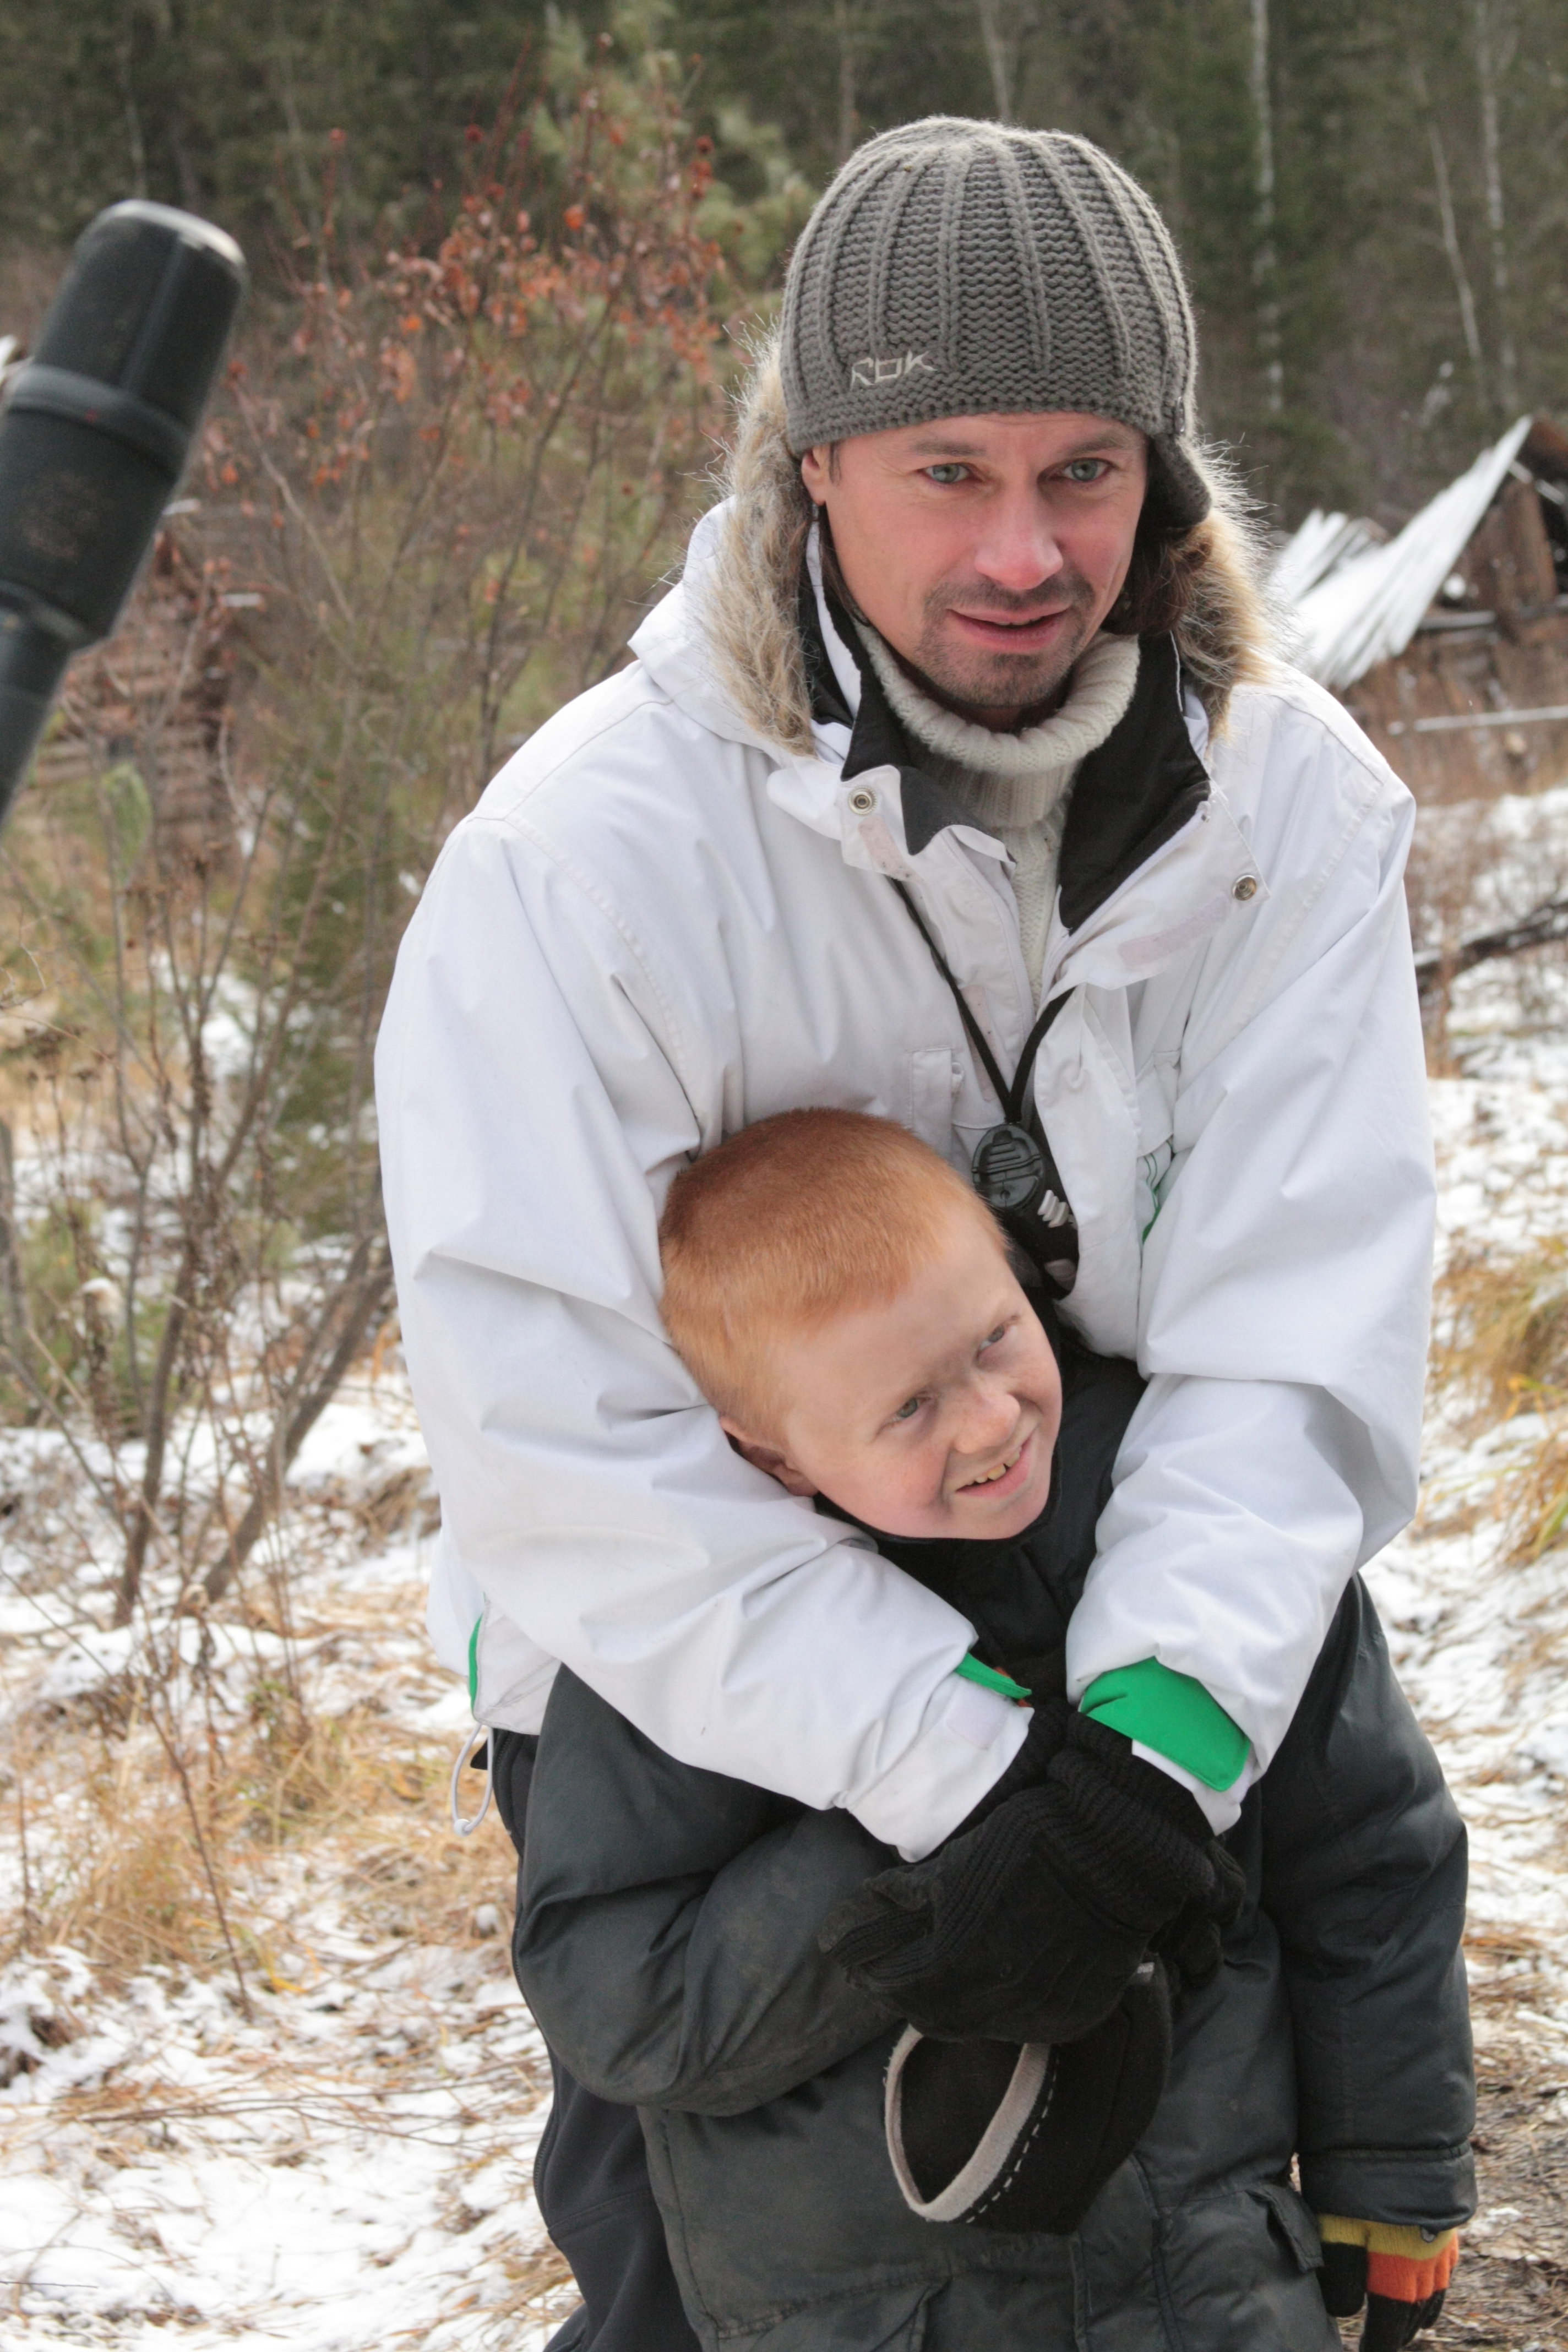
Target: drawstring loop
x: 466, y: 1828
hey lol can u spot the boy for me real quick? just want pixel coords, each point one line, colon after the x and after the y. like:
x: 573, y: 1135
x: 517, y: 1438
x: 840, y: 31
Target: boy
x: 846, y: 1303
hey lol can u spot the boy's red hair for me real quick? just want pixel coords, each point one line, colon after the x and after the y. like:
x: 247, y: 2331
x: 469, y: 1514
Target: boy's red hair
x: 802, y: 1217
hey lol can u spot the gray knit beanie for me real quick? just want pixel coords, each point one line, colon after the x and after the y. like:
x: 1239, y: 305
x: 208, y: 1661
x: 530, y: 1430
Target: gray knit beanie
x: 959, y: 268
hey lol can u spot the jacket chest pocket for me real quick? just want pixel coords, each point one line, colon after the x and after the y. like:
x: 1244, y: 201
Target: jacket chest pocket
x: 934, y: 1084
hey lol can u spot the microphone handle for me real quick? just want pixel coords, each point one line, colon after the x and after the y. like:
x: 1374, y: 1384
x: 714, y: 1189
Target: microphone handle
x: 32, y: 663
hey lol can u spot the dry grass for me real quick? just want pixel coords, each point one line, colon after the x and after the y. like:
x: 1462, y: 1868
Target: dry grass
x: 1535, y: 1498
x: 111, y: 1863
x: 1500, y: 1339
x: 540, y: 2286
x: 1501, y: 1350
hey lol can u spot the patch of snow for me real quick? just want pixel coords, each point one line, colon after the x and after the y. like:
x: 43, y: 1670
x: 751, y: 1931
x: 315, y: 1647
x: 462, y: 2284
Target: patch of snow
x: 353, y: 2168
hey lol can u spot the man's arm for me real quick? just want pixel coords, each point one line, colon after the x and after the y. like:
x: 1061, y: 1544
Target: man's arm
x: 536, y: 1086
x: 1284, y: 1310
x: 667, y: 1942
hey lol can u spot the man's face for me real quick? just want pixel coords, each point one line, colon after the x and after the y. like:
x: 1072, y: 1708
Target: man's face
x: 935, y: 1414
x: 986, y: 550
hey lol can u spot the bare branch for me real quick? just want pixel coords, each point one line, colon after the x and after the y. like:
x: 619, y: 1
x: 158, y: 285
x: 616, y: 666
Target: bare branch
x: 361, y: 1301
x: 1544, y: 926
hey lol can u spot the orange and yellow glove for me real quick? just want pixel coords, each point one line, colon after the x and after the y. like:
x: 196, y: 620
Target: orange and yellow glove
x: 1401, y: 2275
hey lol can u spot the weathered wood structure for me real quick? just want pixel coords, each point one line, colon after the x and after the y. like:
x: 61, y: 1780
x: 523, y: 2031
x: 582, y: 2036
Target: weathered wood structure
x: 154, y: 698
x: 1450, y: 643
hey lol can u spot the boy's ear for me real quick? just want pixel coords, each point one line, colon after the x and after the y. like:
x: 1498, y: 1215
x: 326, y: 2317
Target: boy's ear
x: 763, y: 1456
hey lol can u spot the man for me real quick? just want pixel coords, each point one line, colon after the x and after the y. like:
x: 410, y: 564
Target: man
x: 953, y: 785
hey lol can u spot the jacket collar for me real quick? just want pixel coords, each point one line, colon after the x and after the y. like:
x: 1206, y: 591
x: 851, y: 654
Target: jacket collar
x: 1152, y: 860
x: 1135, y: 792
x: 672, y: 643
x: 1132, y: 795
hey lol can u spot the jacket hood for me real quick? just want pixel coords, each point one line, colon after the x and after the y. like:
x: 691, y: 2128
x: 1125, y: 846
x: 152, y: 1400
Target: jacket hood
x: 756, y: 554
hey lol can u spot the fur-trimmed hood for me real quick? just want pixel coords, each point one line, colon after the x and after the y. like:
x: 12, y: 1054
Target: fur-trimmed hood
x: 1224, y: 637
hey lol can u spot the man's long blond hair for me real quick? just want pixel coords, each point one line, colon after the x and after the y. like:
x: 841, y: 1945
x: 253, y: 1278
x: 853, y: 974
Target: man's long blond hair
x: 1204, y: 585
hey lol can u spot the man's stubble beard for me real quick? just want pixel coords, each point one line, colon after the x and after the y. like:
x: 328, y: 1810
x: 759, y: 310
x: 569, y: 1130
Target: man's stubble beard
x: 982, y: 682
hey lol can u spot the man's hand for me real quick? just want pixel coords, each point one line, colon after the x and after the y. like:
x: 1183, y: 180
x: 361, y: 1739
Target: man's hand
x: 1193, y: 1944
x: 1401, y: 2275
x: 1029, y: 1925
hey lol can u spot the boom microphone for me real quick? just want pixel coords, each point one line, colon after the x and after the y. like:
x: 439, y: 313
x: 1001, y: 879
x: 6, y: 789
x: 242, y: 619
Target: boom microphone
x: 94, y: 434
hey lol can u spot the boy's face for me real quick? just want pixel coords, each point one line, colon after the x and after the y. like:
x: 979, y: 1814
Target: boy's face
x: 933, y: 1415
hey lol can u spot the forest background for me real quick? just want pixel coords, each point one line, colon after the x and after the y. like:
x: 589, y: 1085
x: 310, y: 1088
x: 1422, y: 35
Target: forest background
x: 1371, y: 196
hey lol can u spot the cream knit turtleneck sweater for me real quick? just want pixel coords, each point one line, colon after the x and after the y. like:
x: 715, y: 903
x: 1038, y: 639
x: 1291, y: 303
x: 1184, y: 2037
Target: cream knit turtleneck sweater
x: 1018, y: 786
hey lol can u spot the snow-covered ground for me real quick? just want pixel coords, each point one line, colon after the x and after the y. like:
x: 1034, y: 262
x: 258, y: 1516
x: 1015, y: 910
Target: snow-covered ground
x: 349, y: 2167
x: 1481, y: 1641
x: 1481, y: 1634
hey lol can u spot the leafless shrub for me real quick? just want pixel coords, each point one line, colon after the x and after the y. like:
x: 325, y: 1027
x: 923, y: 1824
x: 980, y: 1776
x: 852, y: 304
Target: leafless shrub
x: 430, y: 500
x: 1487, y: 880
x: 428, y: 509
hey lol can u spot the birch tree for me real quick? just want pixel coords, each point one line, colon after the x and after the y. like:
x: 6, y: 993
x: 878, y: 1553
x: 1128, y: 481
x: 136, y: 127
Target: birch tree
x: 1494, y: 53
x: 1265, y: 266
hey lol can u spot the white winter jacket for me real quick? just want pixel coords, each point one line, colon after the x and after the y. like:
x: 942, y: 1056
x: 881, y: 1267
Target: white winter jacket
x: 655, y: 929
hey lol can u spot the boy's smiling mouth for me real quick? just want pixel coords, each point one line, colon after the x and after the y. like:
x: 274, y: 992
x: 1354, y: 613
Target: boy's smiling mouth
x: 1001, y: 1473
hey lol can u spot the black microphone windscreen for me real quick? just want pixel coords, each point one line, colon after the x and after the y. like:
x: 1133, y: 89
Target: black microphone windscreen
x: 96, y: 429
x: 94, y: 435
x: 146, y: 306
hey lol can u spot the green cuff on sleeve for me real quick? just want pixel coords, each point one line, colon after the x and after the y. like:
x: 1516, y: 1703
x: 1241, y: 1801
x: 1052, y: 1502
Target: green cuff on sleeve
x: 1175, y: 1715
x: 971, y: 1669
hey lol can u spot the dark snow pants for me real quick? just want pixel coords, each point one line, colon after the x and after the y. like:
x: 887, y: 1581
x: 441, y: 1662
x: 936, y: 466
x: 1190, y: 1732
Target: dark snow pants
x: 590, y: 2175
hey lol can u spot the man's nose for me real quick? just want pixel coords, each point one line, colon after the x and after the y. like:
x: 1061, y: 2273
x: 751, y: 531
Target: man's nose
x: 1019, y: 549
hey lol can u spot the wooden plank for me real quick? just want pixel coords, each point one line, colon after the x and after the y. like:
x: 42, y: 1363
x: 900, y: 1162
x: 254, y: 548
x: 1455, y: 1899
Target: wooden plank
x: 154, y: 698
x: 1460, y: 676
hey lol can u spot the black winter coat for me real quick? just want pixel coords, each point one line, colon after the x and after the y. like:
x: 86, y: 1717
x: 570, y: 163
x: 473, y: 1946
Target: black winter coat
x: 666, y: 1944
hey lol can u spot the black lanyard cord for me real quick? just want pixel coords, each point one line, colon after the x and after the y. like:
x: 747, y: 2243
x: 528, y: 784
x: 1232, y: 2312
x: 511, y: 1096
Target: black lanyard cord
x: 1011, y: 1097
x: 1013, y: 1170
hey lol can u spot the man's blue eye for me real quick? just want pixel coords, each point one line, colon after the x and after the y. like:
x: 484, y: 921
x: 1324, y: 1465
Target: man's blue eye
x: 953, y: 473
x: 1085, y: 469
x: 908, y: 1410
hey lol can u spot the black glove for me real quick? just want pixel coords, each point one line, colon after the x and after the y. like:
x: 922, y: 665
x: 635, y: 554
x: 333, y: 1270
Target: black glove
x: 1400, y: 2274
x: 1029, y: 1926
x: 1025, y: 2139
x: 1193, y: 1944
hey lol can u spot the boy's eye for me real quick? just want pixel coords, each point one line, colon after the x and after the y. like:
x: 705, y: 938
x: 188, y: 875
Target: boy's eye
x: 946, y: 473
x: 992, y: 1337
x: 1085, y: 469
x: 908, y: 1410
